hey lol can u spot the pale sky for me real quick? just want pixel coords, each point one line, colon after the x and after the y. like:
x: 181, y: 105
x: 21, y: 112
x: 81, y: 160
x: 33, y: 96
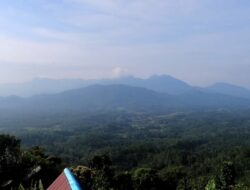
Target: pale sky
x: 199, y: 41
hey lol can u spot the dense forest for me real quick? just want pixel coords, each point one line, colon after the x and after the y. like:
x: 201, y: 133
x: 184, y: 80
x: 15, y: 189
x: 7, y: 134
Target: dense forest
x: 125, y: 150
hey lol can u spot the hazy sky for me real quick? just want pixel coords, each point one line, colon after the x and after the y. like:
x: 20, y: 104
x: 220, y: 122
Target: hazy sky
x: 199, y: 41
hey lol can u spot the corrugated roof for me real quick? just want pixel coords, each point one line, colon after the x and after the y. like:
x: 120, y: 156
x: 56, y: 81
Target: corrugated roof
x: 65, y: 181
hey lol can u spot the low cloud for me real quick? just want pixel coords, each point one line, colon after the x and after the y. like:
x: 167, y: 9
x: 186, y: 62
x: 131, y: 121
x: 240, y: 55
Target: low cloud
x: 119, y: 72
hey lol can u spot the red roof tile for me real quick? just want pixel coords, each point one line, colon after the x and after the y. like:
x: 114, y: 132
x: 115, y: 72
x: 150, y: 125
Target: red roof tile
x: 65, y: 181
x: 61, y: 183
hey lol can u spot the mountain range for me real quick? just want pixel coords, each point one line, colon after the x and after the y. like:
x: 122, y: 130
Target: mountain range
x: 158, y: 83
x: 157, y: 93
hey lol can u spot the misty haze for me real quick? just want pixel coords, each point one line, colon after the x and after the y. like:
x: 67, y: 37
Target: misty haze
x: 125, y: 95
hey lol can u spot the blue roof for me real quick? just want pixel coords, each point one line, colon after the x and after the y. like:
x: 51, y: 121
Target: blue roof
x: 71, y: 179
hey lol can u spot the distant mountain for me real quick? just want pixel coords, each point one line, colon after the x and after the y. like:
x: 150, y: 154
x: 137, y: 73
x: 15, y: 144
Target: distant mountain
x: 162, y: 83
x: 119, y: 97
x: 41, y: 86
x: 158, y: 83
x: 92, y: 98
x: 229, y: 89
x: 159, y: 92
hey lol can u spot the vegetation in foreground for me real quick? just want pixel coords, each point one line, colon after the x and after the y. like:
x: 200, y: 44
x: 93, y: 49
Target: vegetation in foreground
x: 205, y: 150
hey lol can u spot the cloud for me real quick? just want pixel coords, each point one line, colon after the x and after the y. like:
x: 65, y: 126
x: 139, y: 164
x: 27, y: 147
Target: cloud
x: 118, y: 72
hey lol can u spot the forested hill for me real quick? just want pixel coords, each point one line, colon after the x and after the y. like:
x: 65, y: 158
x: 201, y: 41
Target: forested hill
x: 121, y: 97
x: 177, y: 151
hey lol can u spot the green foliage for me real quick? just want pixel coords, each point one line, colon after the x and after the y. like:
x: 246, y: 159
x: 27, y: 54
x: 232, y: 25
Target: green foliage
x: 211, y: 185
x: 240, y: 187
x: 34, y: 185
x: 26, y: 167
x: 123, y: 181
x: 171, y: 176
x: 163, y: 150
x: 228, y: 175
x: 39, y: 165
x: 103, y: 173
x: 10, y: 159
x: 21, y: 187
x: 145, y: 178
x: 84, y: 175
x: 100, y: 162
x: 40, y: 185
